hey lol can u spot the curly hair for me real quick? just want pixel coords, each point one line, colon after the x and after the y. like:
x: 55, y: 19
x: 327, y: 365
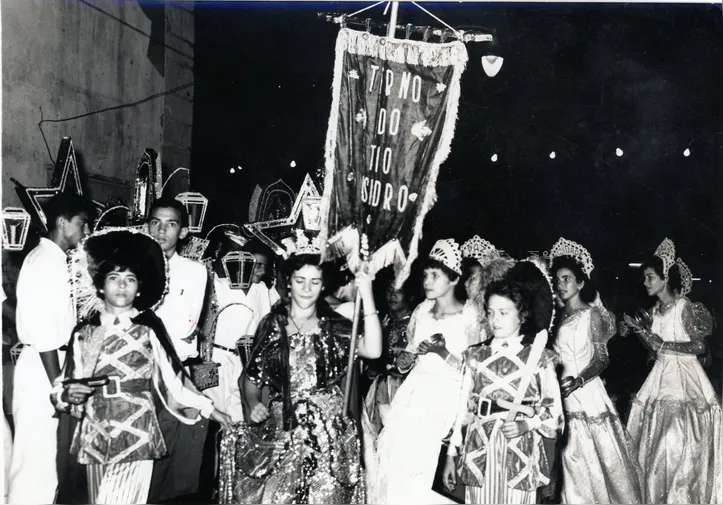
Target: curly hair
x: 518, y: 294
x: 116, y: 265
x: 588, y: 291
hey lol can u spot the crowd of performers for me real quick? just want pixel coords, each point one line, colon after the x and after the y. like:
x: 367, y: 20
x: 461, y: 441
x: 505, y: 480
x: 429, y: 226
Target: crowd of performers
x: 488, y: 391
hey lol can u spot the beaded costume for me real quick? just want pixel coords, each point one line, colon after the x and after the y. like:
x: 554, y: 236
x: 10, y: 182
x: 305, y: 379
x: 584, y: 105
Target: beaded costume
x: 308, y: 451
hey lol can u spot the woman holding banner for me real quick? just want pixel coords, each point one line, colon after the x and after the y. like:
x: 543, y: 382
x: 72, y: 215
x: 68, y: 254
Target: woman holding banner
x: 423, y: 409
x: 300, y: 445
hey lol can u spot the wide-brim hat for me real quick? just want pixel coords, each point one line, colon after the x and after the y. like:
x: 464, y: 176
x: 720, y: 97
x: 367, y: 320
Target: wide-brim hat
x: 531, y: 274
x: 127, y: 246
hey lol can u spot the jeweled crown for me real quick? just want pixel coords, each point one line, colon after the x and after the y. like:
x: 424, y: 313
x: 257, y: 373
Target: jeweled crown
x: 564, y: 247
x: 300, y: 243
x: 666, y: 252
x: 480, y: 249
x: 686, y: 277
x: 447, y: 252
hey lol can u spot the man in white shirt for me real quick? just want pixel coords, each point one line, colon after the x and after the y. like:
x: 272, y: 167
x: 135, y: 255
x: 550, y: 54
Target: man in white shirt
x: 45, y: 319
x: 178, y: 474
x: 234, y: 313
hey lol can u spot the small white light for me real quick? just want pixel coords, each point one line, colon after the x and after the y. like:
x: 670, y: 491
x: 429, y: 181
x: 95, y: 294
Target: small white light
x: 494, y: 158
x: 616, y: 278
x: 552, y: 155
x: 696, y: 278
x: 292, y: 164
x: 686, y: 153
x: 239, y: 168
x: 232, y: 171
x: 619, y: 151
x: 635, y: 265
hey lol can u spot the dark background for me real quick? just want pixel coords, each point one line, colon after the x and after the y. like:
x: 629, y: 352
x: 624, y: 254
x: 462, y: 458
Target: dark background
x: 578, y: 79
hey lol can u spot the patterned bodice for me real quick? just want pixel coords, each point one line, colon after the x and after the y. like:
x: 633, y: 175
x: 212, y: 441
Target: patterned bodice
x: 118, y: 427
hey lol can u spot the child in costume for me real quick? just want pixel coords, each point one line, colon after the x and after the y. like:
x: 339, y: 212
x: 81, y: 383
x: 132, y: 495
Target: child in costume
x: 501, y: 458
x: 120, y: 361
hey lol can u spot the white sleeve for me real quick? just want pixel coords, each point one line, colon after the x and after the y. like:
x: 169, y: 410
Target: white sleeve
x: 456, y: 438
x: 188, y: 398
x: 42, y: 294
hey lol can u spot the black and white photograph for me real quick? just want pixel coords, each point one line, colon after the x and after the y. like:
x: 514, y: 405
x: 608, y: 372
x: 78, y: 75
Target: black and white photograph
x: 445, y: 252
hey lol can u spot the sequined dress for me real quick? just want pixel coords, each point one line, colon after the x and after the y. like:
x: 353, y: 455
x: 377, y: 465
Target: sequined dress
x: 422, y: 411
x: 599, y: 464
x: 308, y: 451
x: 675, y: 420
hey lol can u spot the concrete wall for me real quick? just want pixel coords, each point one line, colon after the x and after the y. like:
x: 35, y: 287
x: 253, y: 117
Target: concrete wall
x: 72, y: 57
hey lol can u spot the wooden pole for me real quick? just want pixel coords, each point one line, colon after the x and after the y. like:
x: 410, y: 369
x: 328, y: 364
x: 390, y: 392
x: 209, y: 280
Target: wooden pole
x: 392, y: 29
x: 352, y: 351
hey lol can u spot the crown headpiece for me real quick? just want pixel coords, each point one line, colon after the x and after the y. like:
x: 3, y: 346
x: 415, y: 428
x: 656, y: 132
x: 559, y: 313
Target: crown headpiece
x: 666, y: 252
x: 479, y: 249
x: 686, y: 277
x: 564, y: 247
x: 301, y: 244
x: 447, y: 252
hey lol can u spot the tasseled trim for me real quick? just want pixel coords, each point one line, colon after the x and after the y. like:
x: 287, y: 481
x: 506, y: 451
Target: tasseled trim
x: 346, y: 241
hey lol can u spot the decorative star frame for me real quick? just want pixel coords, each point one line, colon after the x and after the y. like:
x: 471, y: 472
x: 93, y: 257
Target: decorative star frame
x: 272, y: 232
x: 66, y: 179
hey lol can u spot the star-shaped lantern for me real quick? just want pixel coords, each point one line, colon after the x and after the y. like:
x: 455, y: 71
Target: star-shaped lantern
x: 66, y: 178
x: 272, y: 232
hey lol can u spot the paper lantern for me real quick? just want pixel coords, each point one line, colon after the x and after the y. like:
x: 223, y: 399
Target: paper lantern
x: 16, y: 223
x: 239, y: 268
x: 196, y: 205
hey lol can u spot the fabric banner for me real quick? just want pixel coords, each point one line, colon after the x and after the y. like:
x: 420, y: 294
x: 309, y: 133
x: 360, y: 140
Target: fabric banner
x: 392, y: 121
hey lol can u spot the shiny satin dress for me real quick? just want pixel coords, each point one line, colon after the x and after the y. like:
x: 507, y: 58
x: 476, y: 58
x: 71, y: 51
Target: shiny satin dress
x: 675, y: 420
x: 599, y: 464
x: 422, y: 412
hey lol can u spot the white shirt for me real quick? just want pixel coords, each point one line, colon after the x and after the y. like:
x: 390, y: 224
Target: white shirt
x: 234, y: 321
x: 44, y: 315
x: 182, y: 305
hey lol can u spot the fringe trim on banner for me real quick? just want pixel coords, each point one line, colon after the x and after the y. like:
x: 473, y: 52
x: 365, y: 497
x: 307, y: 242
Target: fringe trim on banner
x: 346, y: 241
x: 443, y: 149
x: 329, y: 158
x: 412, y: 52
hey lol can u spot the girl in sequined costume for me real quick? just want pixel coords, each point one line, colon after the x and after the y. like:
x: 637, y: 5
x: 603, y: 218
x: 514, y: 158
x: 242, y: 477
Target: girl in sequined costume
x: 599, y: 464
x: 675, y: 420
x: 302, y: 447
x: 423, y: 409
x: 497, y: 459
x: 124, y: 346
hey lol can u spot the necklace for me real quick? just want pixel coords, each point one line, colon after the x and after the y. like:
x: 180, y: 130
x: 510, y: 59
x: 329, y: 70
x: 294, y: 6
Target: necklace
x: 299, y: 327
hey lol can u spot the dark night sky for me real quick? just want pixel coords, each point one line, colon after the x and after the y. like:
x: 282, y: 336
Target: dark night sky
x: 580, y: 80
